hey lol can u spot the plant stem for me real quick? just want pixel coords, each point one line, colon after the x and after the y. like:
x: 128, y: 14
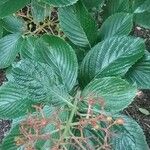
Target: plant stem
x: 69, y: 123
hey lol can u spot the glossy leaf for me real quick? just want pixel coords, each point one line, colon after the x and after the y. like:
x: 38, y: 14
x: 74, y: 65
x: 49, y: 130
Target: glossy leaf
x: 115, y: 92
x: 14, y: 101
x: 128, y: 136
x: 60, y: 3
x: 117, y: 24
x: 60, y: 56
x: 39, y: 80
x: 14, y: 24
x: 39, y: 11
x: 9, y: 47
x: 112, y: 57
x: 28, y: 47
x: 78, y: 25
x: 8, y: 7
x: 140, y: 72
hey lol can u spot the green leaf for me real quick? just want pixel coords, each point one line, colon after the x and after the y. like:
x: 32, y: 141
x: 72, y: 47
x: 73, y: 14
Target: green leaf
x: 40, y: 81
x: 134, y: 4
x: 116, y: 6
x: 60, y: 3
x: 8, y: 7
x: 144, y: 7
x: 14, y: 101
x: 60, y: 56
x: 142, y: 19
x: 140, y: 72
x: 129, y: 136
x: 116, y: 93
x: 112, y: 57
x: 1, y: 29
x: 93, y: 4
x: 9, y: 47
x: 28, y: 47
x: 117, y: 24
x: 78, y: 25
x: 14, y: 24
x: 39, y: 10
x: 9, y: 140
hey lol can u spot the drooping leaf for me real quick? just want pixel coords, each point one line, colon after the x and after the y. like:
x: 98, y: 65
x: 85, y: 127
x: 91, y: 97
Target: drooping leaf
x: 40, y: 10
x: 14, y: 101
x: 60, y: 56
x: 145, y: 6
x: 78, y: 25
x: 142, y: 19
x: 8, y: 7
x: 140, y: 72
x: 9, y: 47
x: 112, y: 57
x: 116, y: 6
x: 117, y: 24
x: 60, y: 3
x: 115, y: 92
x: 14, y: 24
x: 128, y: 136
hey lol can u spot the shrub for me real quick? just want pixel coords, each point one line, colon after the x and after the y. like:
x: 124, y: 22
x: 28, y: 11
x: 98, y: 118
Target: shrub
x: 70, y: 76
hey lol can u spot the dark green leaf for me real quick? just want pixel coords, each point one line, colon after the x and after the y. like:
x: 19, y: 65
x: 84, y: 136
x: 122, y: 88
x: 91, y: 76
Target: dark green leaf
x: 28, y: 47
x: 129, y: 136
x: 78, y: 25
x: 40, y: 10
x: 14, y: 24
x: 145, y: 6
x: 142, y: 19
x: 116, y: 93
x: 116, y: 6
x: 60, y: 3
x: 14, y: 101
x: 1, y: 29
x: 117, y: 24
x: 60, y: 56
x: 93, y: 4
x: 8, y: 7
x: 134, y: 4
x: 9, y: 47
x: 39, y: 80
x: 112, y: 57
x: 9, y: 141
x: 140, y: 72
